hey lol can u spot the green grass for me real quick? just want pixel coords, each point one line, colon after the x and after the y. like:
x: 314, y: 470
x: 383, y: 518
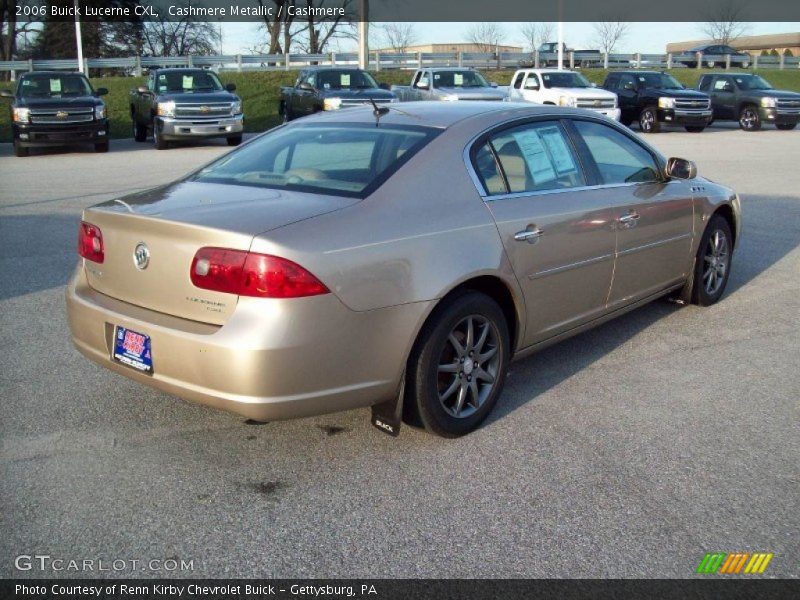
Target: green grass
x: 260, y: 91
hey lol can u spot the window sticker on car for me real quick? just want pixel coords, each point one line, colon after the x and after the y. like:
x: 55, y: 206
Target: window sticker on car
x: 345, y: 80
x: 557, y: 146
x: 535, y: 155
x: 719, y: 84
x: 55, y: 86
x: 458, y: 79
x: 188, y: 80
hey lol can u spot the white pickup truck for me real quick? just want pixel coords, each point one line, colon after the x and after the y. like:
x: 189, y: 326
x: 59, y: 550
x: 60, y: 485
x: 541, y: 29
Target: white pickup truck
x: 562, y: 88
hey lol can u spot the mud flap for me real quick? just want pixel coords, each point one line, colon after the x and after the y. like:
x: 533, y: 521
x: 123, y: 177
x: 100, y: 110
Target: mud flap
x: 388, y: 416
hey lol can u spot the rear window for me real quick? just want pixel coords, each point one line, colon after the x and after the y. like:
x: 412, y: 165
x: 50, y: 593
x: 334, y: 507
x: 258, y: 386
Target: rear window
x: 341, y: 159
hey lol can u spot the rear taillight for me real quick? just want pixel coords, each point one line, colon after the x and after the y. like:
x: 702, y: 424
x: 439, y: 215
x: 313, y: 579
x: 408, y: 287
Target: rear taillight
x: 90, y: 242
x: 249, y: 274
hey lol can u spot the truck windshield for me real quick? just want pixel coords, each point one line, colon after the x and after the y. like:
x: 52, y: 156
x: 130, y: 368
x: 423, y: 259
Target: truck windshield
x: 54, y: 86
x: 459, y: 79
x: 345, y: 80
x: 661, y: 81
x: 187, y: 82
x: 565, y: 80
x: 345, y: 159
x: 752, y: 82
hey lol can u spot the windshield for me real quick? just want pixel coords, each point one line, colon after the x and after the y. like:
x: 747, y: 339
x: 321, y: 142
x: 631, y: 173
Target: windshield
x: 187, y: 82
x: 565, y: 80
x: 345, y: 80
x: 54, y: 86
x: 661, y: 81
x: 752, y: 82
x: 459, y: 79
x: 342, y: 159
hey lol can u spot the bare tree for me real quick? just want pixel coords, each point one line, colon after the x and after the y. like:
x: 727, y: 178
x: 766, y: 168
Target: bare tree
x: 180, y: 38
x: 536, y: 34
x: 607, y: 34
x: 725, y: 25
x: 398, y: 36
x: 486, y: 36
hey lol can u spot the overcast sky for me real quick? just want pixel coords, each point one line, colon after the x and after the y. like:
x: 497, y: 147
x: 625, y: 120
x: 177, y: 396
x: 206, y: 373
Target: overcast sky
x: 641, y: 37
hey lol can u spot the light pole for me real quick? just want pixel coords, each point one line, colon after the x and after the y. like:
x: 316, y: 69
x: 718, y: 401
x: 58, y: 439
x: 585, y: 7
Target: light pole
x: 78, y: 38
x: 363, y: 34
x: 560, y: 34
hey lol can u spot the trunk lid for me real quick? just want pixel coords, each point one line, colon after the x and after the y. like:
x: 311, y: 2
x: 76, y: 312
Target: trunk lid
x: 173, y: 222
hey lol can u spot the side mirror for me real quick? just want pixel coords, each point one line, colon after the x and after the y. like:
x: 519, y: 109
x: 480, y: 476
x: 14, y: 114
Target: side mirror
x: 680, y: 168
x: 142, y: 89
x: 493, y: 84
x: 422, y: 84
x: 101, y: 91
x: 6, y: 94
x: 384, y: 86
x: 304, y: 85
x: 231, y: 87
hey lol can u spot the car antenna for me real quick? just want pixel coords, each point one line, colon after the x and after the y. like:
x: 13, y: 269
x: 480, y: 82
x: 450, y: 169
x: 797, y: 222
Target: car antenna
x: 378, y: 111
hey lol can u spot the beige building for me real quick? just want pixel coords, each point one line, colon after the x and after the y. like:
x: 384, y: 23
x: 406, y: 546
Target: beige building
x: 754, y: 44
x: 454, y: 47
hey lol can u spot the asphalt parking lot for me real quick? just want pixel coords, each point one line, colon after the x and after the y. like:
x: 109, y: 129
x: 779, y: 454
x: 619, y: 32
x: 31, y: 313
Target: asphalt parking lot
x: 627, y: 451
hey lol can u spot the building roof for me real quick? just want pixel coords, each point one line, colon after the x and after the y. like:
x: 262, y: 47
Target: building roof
x: 747, y: 42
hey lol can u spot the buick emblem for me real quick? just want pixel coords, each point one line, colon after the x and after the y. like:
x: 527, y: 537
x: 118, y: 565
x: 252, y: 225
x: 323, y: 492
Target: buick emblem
x: 62, y: 114
x: 141, y: 256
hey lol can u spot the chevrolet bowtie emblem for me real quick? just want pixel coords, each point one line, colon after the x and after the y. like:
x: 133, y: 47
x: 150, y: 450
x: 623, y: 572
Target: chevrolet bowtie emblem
x: 597, y: 102
x: 204, y: 109
x: 62, y: 114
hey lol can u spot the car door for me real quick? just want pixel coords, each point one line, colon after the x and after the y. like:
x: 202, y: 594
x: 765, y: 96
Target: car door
x: 305, y: 97
x: 556, y: 230
x: 531, y: 88
x: 653, y: 216
x: 723, y: 97
x: 515, y: 91
x: 628, y: 96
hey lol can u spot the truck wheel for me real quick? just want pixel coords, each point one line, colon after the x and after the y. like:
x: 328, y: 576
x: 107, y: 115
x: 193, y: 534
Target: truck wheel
x: 749, y: 119
x: 20, y: 151
x: 285, y: 114
x: 139, y: 132
x: 695, y: 128
x: 648, y: 120
x: 234, y: 140
x: 786, y: 126
x: 158, y: 141
x: 101, y: 147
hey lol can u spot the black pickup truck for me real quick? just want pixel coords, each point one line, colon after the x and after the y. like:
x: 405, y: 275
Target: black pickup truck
x: 654, y: 99
x: 57, y: 109
x: 330, y: 88
x: 185, y: 104
x: 751, y: 100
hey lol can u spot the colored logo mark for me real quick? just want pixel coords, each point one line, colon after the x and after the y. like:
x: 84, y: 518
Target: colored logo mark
x: 735, y: 563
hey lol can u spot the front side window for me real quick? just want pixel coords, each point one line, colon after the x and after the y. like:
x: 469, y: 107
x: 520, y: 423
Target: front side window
x: 54, y: 86
x: 619, y: 159
x: 532, y: 82
x: 535, y: 157
x: 342, y: 159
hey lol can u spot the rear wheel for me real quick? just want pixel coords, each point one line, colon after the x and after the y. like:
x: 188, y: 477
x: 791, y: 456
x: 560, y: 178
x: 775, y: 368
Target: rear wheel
x: 786, y: 126
x: 458, y: 366
x: 101, y: 147
x: 139, y: 131
x: 713, y: 263
x: 234, y: 140
x: 695, y: 128
x: 20, y: 151
x: 648, y: 120
x: 749, y: 119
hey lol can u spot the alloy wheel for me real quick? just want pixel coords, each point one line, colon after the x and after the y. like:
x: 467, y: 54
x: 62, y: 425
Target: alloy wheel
x: 717, y: 258
x: 647, y: 120
x: 468, y: 366
x: 749, y: 118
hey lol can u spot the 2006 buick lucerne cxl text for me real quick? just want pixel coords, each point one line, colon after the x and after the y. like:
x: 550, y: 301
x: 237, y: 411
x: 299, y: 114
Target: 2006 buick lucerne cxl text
x: 393, y: 259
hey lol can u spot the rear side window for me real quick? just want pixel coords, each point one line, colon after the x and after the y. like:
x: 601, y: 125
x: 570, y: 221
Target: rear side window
x: 705, y: 82
x: 486, y: 167
x: 518, y: 80
x: 536, y: 157
x: 619, y: 159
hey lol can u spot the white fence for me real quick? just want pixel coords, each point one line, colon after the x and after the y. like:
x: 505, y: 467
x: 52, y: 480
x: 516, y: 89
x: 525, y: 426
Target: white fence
x: 134, y: 65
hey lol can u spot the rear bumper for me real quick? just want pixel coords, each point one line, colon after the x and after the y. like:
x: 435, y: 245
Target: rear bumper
x: 32, y: 135
x: 181, y: 129
x: 273, y: 359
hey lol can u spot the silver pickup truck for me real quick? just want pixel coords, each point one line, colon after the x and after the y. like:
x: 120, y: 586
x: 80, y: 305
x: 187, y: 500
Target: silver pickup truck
x: 449, y: 83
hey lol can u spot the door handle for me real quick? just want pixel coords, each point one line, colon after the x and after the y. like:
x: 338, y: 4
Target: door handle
x: 530, y: 235
x: 629, y: 220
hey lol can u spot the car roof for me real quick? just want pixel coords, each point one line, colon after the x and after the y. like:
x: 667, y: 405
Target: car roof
x: 446, y: 69
x: 331, y: 68
x: 439, y: 114
x: 50, y: 73
x: 548, y: 70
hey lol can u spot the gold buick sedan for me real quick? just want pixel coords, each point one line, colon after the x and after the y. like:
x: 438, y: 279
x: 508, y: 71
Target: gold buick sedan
x: 397, y: 259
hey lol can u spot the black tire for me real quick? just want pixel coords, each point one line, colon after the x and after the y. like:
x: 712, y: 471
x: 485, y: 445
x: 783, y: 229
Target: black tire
x: 20, y: 151
x: 648, y: 120
x: 749, y: 119
x: 704, y: 294
x: 286, y: 114
x: 139, y: 131
x: 786, y: 126
x: 101, y: 147
x: 627, y: 121
x: 159, y: 142
x: 234, y: 140
x: 425, y: 381
x: 695, y: 128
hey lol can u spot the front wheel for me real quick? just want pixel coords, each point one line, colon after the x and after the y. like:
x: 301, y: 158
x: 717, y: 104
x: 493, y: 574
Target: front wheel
x: 234, y: 140
x: 458, y: 366
x: 749, y: 119
x: 713, y: 262
x: 101, y: 147
x: 695, y: 128
x: 20, y: 151
x: 786, y: 126
x: 648, y: 120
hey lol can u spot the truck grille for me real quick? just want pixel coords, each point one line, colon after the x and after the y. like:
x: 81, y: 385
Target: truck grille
x: 693, y: 104
x: 595, y: 103
x: 58, y: 117
x: 788, y: 103
x: 200, y: 111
